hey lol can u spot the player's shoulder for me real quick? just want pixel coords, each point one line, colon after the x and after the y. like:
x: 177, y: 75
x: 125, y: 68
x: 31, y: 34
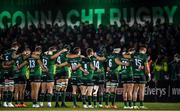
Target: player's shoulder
x: 86, y: 59
x: 73, y: 56
x: 93, y: 58
x: 8, y: 51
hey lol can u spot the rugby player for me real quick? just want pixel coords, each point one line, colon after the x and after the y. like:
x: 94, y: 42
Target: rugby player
x: 49, y: 60
x: 9, y: 75
x: 126, y: 78
x: 112, y: 76
x: 140, y: 69
x: 87, y: 83
x: 21, y: 77
x: 62, y: 77
x: 98, y: 77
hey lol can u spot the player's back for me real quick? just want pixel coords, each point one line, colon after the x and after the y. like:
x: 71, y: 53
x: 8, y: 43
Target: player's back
x: 111, y: 61
x: 73, y: 60
x: 34, y: 67
x: 126, y: 69
x: 139, y: 60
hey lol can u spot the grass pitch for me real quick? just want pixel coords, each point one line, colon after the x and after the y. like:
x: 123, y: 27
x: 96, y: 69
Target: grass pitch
x: 151, y: 107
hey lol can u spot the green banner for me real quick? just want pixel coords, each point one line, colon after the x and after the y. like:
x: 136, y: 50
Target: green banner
x: 73, y: 12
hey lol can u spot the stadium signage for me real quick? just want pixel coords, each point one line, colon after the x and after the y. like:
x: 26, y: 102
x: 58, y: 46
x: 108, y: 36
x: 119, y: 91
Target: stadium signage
x: 96, y: 16
x: 155, y: 91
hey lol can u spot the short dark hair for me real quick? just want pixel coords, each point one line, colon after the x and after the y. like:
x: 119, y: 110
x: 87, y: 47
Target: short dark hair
x: 89, y: 51
x: 76, y: 50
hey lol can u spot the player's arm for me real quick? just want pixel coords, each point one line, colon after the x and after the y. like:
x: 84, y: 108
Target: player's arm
x: 35, y: 56
x: 78, y: 67
x: 118, y: 62
x: 14, y: 55
x: 63, y: 64
x: 147, y: 69
x: 107, y: 69
x: 5, y: 66
x: 85, y: 71
x: 22, y: 65
x: 41, y: 65
x: 92, y: 67
x: 58, y: 53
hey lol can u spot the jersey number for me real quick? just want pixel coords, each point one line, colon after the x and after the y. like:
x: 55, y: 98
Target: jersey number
x: 45, y: 62
x: 85, y: 67
x: 59, y: 60
x: 110, y: 62
x: 32, y: 63
x: 138, y: 62
x: 74, y: 65
x: 124, y: 67
x: 96, y: 64
x: 17, y: 62
x: 6, y: 58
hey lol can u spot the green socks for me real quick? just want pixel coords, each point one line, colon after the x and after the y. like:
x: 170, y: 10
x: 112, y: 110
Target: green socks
x: 84, y: 99
x: 74, y: 97
x: 57, y: 96
x: 5, y: 93
x: 113, y: 98
x: 49, y: 97
x: 34, y: 101
x: 134, y: 103
x: 100, y: 99
x: 125, y: 103
x: 94, y: 99
x: 89, y: 100
x: 42, y: 96
x: 107, y: 98
x: 63, y: 97
x: 130, y: 103
x: 141, y: 103
x: 16, y: 101
x: 9, y: 99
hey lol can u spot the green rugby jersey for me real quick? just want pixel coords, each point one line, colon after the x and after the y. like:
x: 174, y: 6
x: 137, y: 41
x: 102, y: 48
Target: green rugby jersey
x: 126, y: 70
x: 98, y: 65
x: 7, y: 56
x: 61, y: 59
x: 86, y: 65
x: 73, y: 63
x: 110, y: 60
x: 24, y: 70
x: 34, y: 67
x: 139, y: 60
x: 49, y: 63
x: 18, y: 61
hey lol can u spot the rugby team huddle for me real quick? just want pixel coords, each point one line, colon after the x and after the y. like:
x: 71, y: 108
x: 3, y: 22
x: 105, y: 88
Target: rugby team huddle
x: 95, y: 75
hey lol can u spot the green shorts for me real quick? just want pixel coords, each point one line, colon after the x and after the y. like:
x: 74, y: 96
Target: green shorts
x: 99, y: 79
x: 34, y: 78
x: 86, y: 82
x: 139, y: 79
x: 76, y: 81
x: 46, y: 77
x: 8, y: 75
x: 110, y: 77
x: 125, y: 79
x: 21, y: 79
x: 62, y: 75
